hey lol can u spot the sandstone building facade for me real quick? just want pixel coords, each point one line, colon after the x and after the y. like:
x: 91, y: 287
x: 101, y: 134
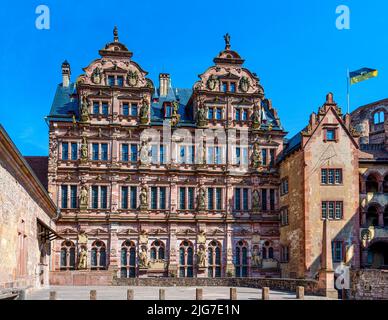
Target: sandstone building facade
x: 27, y: 222
x: 165, y: 181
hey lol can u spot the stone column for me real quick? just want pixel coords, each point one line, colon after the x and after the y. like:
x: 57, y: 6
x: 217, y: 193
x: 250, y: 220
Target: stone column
x: 173, y: 196
x: 114, y: 248
x: 229, y: 250
x: 173, y: 263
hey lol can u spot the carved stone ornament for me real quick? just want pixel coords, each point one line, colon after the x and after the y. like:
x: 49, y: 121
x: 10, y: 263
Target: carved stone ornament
x: 175, y: 117
x: 97, y: 76
x: 145, y: 158
x: 83, y: 198
x: 84, y: 150
x: 143, y: 237
x: 143, y: 199
x: 144, y: 112
x: 212, y: 82
x: 83, y: 259
x: 143, y: 258
x: 82, y: 238
x: 201, y: 237
x: 244, y: 84
x: 255, y: 201
x: 84, y: 109
x: 132, y: 78
x: 201, y: 200
x: 202, y: 116
x: 201, y: 257
x: 256, y: 118
x: 256, y: 156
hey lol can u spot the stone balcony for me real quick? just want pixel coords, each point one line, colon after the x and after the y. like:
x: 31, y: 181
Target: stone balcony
x: 373, y: 233
x: 373, y: 197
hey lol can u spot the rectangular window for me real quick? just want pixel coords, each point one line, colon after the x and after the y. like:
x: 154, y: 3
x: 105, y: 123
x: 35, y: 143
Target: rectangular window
x: 245, y: 199
x: 324, y: 210
x: 104, y: 152
x: 133, y: 197
x: 96, y: 107
x: 154, y: 199
x: 338, y: 176
x: 324, y: 176
x: 191, y: 198
x: 95, y: 151
x: 182, y: 156
x: 125, y: 109
x: 191, y: 155
x: 330, y: 177
x: 154, y: 154
x: 65, y: 151
x: 133, y: 152
x: 74, y: 151
x: 210, y: 155
x: 331, y: 210
x: 218, y: 198
x: 272, y: 199
x: 124, y: 153
x: 284, y: 186
x: 218, y: 159
x: 105, y: 108
x: 219, y: 114
x: 104, y: 197
x: 244, y: 115
x: 182, y: 198
x: 161, y: 154
x: 124, y: 197
x: 271, y: 157
x: 264, y: 156
x: 237, y: 199
x: 232, y: 87
x: 73, y: 197
x: 134, y: 109
x: 264, y: 199
x: 111, y: 80
x: 338, y: 252
x: 338, y: 210
x: 224, y: 86
x: 210, y: 114
x: 64, y: 197
x: 238, y: 152
x: 94, y: 197
x: 330, y: 134
x: 120, y: 81
x: 210, y: 198
x: 238, y: 118
x: 244, y: 157
x: 162, y: 204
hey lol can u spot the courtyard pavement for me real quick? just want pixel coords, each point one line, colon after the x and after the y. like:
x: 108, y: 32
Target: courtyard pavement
x: 152, y: 293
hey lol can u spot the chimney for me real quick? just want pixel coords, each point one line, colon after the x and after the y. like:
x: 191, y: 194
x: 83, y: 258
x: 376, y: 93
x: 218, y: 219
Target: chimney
x: 164, y: 84
x: 66, y: 74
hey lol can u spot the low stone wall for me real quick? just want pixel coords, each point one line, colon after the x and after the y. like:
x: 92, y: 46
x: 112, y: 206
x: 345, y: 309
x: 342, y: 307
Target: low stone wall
x: 369, y: 284
x: 311, y: 286
x: 81, y: 278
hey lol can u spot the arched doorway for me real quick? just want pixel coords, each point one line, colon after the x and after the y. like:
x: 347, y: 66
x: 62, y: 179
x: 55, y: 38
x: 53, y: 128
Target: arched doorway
x: 378, y: 255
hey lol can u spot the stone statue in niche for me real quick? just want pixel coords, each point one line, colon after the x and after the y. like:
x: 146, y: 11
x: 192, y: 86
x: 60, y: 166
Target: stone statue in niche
x: 144, y: 112
x: 255, y: 258
x: 244, y: 84
x: 256, y: 118
x: 83, y: 259
x: 175, y: 117
x: 256, y: 156
x: 255, y: 201
x: 132, y: 78
x: 84, y: 150
x: 202, y: 116
x: 145, y: 153
x: 143, y: 199
x: 97, y: 76
x: 84, y: 109
x: 143, y: 258
x: 201, y: 257
x: 83, y: 198
x: 201, y: 200
x: 212, y: 82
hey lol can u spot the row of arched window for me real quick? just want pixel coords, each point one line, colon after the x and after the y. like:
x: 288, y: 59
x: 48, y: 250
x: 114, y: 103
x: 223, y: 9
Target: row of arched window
x: 128, y: 257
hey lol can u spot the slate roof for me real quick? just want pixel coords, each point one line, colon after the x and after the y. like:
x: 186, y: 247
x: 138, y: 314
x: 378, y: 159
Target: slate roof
x: 39, y: 165
x: 64, y: 104
x: 291, y: 145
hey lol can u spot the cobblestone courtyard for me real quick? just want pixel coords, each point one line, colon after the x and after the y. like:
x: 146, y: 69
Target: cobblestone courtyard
x: 152, y: 293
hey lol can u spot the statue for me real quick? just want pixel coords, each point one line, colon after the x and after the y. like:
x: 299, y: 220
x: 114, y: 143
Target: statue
x: 201, y: 116
x: 256, y: 118
x: 143, y: 258
x: 255, y: 201
x: 143, y: 199
x: 84, y: 109
x: 227, y: 41
x: 144, y: 110
x: 244, y: 84
x: 201, y: 237
x: 201, y: 200
x: 255, y: 258
x: 212, y: 82
x: 83, y: 259
x: 83, y: 198
x: 256, y: 156
x: 175, y: 117
x: 97, y: 76
x: 84, y: 149
x: 144, y: 153
x: 201, y: 258
x: 132, y: 78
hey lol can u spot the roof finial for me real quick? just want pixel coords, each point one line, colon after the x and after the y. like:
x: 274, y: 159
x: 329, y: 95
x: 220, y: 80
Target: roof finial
x: 227, y: 41
x: 116, y: 34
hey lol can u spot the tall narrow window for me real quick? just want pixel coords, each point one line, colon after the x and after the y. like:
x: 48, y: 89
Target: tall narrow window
x: 182, y: 155
x: 96, y: 107
x: 238, y: 117
x: 219, y: 114
x: 338, y: 251
x: 218, y: 159
x: 191, y: 198
x: 124, y: 153
x: 218, y: 198
x: 182, y: 198
x: 111, y: 80
x: 210, y: 198
x: 238, y: 154
x: 95, y: 151
x: 104, y: 151
x: 244, y: 157
x: 154, y: 154
x: 95, y: 197
x: 74, y: 151
x: 264, y: 199
x: 65, y: 151
x: 245, y: 199
x: 237, y: 198
x: 161, y: 154
x: 186, y: 259
x: 211, y: 114
x: 124, y: 197
x: 126, y: 109
x: 120, y: 81
x: 264, y: 156
x: 162, y: 192
x: 128, y: 259
x: 105, y: 108
x: 210, y: 155
x: 64, y: 194
x: 241, y: 259
x: 272, y: 157
x: 191, y: 155
x: 98, y: 255
x: 134, y: 109
x: 133, y: 152
x: 214, y: 259
x: 232, y: 87
x: 154, y: 199
x: 104, y: 197
x: 133, y: 197
x: 73, y: 197
x: 272, y: 199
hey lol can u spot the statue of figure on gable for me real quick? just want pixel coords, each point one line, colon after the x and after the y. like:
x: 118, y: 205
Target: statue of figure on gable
x: 255, y: 201
x: 256, y: 156
x: 84, y: 109
x: 256, y: 118
x: 201, y: 200
x: 145, y: 153
x: 143, y: 199
x: 84, y: 149
x: 144, y: 112
x: 202, y: 116
x: 175, y: 117
x: 83, y: 198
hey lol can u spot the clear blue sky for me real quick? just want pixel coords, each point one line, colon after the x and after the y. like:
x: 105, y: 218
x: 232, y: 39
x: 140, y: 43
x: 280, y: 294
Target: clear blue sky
x: 293, y: 46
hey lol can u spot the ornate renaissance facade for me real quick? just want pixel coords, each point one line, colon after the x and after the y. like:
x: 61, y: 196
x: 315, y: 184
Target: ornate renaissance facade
x: 165, y: 181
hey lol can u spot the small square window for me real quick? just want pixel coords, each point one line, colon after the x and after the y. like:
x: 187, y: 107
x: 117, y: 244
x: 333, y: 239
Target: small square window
x: 330, y: 134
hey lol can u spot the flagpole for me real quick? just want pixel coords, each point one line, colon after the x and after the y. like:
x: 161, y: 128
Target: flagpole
x: 348, y: 89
